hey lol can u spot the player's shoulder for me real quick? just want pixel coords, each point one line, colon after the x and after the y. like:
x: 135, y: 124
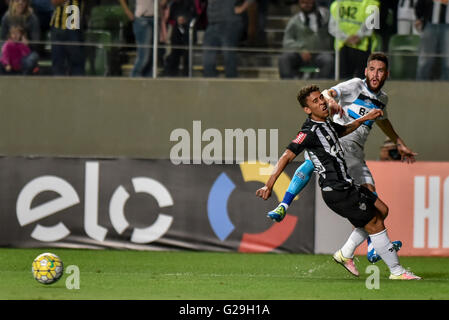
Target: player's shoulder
x: 309, y: 126
x: 382, y: 96
x: 349, y: 85
x: 357, y: 83
x: 305, y: 132
x: 353, y: 81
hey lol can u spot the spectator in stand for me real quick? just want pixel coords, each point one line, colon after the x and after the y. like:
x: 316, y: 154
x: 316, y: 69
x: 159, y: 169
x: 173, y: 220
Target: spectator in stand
x: 181, y: 13
x: 407, y: 17
x: 352, y: 24
x: 262, y: 14
x: 16, y: 52
x: 21, y: 14
x: 43, y: 9
x: 176, y: 8
x: 255, y: 21
x: 143, y: 23
x: 307, y: 34
x: 388, y: 18
x: 68, y: 59
x: 320, y: 3
x: 433, y: 20
x: 201, y: 14
x: 3, y: 7
x: 224, y: 29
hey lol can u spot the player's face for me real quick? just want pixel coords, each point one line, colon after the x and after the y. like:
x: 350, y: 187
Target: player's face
x: 316, y: 106
x: 376, y: 73
x: 306, y: 5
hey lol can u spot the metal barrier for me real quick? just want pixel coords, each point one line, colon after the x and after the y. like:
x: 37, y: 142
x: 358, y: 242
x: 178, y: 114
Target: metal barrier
x: 191, y: 30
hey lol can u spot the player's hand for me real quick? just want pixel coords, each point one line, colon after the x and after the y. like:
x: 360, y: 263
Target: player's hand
x: 373, y: 114
x: 407, y: 155
x: 334, y: 107
x: 264, y: 192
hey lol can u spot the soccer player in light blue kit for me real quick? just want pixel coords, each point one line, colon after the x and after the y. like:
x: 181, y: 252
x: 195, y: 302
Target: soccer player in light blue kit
x: 355, y: 98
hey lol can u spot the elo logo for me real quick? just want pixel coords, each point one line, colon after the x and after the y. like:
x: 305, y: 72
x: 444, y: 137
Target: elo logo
x: 222, y: 226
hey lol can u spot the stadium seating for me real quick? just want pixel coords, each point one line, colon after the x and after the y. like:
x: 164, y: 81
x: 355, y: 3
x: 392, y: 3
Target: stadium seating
x: 109, y: 18
x: 105, y: 25
x: 98, y: 57
x: 403, y: 52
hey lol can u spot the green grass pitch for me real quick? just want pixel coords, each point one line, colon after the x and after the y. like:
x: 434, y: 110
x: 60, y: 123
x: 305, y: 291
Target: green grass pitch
x: 173, y: 275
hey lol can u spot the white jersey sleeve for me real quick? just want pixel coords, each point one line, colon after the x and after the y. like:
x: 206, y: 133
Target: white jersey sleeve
x: 357, y: 99
x: 348, y: 90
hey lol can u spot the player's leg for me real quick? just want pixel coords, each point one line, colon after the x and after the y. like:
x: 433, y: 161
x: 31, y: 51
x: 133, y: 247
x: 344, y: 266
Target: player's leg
x: 359, y: 235
x: 345, y: 256
x: 356, y: 238
x: 298, y: 182
x: 365, y: 210
x: 383, y: 246
x: 346, y: 203
x: 371, y: 254
x: 358, y: 169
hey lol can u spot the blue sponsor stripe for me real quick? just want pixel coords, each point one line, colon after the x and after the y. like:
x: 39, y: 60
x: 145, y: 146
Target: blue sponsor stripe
x: 354, y: 115
x: 365, y: 104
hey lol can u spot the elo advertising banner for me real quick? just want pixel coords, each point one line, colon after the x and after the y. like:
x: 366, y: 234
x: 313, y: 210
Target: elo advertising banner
x: 147, y: 205
x: 418, y: 198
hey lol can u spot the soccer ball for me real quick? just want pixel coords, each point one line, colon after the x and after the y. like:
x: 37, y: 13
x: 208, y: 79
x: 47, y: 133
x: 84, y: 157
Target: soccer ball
x: 47, y: 268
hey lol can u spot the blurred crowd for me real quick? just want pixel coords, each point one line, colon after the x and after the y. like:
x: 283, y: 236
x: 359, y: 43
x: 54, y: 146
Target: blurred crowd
x: 315, y: 30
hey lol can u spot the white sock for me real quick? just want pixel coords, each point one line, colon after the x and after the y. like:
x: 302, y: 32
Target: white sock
x: 284, y: 205
x: 356, y: 238
x: 384, y: 248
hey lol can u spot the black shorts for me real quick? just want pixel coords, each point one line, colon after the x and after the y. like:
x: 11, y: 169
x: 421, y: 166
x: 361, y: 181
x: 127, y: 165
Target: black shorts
x: 355, y: 204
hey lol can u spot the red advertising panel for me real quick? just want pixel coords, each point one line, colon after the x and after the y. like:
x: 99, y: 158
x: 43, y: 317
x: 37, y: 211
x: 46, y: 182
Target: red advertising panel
x: 418, y: 198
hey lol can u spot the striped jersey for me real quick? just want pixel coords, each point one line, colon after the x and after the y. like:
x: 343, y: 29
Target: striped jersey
x: 62, y: 13
x: 357, y: 100
x: 320, y: 141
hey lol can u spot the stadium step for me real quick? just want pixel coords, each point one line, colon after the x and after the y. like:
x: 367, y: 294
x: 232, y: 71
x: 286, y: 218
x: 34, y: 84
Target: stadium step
x: 252, y: 63
x: 277, y: 22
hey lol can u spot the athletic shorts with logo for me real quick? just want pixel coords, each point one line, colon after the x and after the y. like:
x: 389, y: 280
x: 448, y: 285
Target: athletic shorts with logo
x: 355, y: 204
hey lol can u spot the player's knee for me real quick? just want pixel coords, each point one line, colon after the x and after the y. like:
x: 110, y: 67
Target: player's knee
x: 384, y: 212
x: 376, y: 224
x: 382, y: 208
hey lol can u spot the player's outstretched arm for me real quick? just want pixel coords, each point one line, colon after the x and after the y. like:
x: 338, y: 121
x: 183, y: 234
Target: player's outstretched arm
x: 406, y: 153
x: 334, y: 107
x: 284, y: 160
x: 350, y: 127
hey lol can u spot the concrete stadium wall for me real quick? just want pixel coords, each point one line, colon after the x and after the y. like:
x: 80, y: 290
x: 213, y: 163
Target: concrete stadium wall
x: 120, y: 117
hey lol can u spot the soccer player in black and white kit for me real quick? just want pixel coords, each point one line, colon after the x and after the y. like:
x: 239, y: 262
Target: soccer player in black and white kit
x: 319, y: 137
x: 348, y: 101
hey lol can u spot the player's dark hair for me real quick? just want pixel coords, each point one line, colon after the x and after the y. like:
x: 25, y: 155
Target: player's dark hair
x: 304, y: 93
x: 378, y: 56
